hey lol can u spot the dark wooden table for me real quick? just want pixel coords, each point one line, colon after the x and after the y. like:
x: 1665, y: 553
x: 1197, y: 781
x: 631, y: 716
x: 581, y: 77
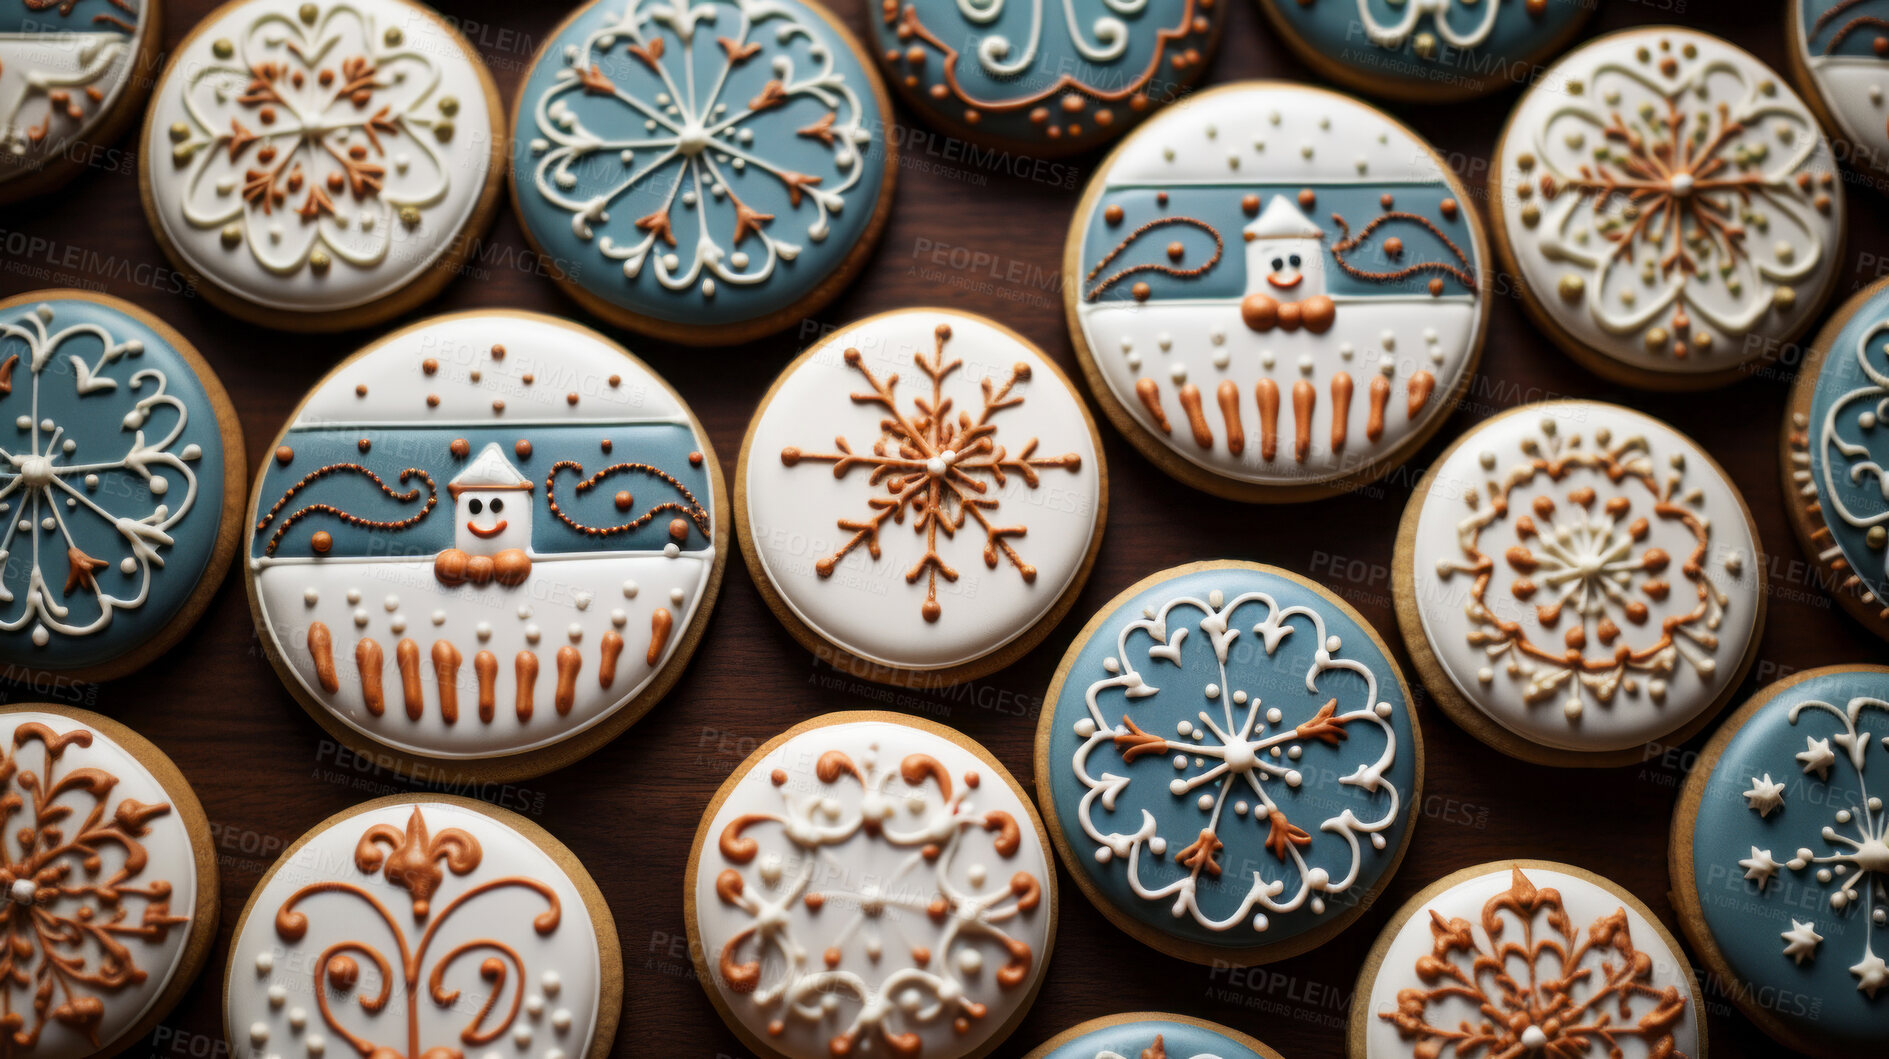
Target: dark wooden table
x: 984, y: 232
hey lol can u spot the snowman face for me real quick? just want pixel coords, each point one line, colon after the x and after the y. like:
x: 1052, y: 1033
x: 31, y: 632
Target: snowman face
x: 491, y: 520
x: 1287, y: 271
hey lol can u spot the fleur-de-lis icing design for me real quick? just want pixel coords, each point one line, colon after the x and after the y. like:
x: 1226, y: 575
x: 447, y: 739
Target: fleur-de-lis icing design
x: 412, y: 859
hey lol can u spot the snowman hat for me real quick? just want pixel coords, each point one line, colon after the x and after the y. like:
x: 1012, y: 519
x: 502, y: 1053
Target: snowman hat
x: 1282, y: 220
x: 491, y: 471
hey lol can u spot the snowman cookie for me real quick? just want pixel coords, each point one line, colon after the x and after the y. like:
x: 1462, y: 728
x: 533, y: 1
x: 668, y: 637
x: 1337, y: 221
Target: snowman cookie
x: 419, y: 925
x: 1151, y: 1035
x: 1837, y: 50
x: 1229, y: 763
x: 489, y: 539
x: 873, y: 883
x: 72, y: 76
x: 703, y: 171
x: 123, y: 490
x: 921, y: 496
x: 317, y: 165
x: 1046, y: 81
x: 1670, y: 206
x: 1576, y: 580
x: 1277, y: 292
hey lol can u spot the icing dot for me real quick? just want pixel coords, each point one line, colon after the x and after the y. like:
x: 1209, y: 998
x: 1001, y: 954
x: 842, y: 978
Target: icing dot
x: 532, y: 633
x: 576, y: 632
x: 970, y: 961
x: 311, y: 597
x: 550, y: 983
x: 629, y: 590
x: 483, y: 630
x: 676, y: 595
x: 258, y: 1033
x: 561, y: 1020
x: 265, y: 963
x: 439, y: 617
x: 278, y: 996
x: 392, y: 603
x: 618, y: 618
x: 361, y: 617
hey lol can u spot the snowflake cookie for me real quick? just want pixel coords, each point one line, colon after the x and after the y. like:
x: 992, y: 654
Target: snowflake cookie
x: 1151, y: 1035
x: 868, y: 882
x: 1671, y: 208
x: 1837, y: 52
x: 122, y: 480
x: 1836, y: 445
x: 1229, y: 762
x: 72, y: 75
x: 1047, y: 79
x: 1780, y: 858
x: 491, y: 538
x: 322, y: 165
x: 1275, y: 290
x: 706, y: 171
x: 922, y: 493
x: 108, y: 884
x: 1525, y: 958
x: 1428, y: 50
x: 1576, y: 580
x: 424, y: 926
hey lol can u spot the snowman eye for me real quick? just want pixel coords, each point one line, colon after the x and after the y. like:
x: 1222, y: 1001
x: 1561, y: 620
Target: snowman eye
x: 476, y: 506
x: 1295, y: 261
x: 498, y: 506
x: 1277, y: 264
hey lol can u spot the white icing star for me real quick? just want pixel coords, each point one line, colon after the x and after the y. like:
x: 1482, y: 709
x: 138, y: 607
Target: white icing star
x: 1764, y: 795
x: 1760, y: 867
x: 1800, y: 942
x: 1872, y: 974
x: 1817, y: 757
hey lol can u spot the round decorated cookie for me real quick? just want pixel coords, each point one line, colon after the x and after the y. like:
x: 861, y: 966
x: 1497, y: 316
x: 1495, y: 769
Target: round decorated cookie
x: 1427, y: 50
x: 424, y: 925
x: 490, y: 539
x: 1151, y: 1035
x: 1670, y: 206
x: 1837, y: 50
x: 73, y: 74
x: 108, y: 881
x: 1779, y: 868
x: 1576, y: 580
x: 321, y: 164
x: 122, y: 489
x: 1525, y: 958
x: 921, y: 496
x: 705, y: 171
x: 873, y: 882
x: 1276, y: 291
x: 1047, y: 81
x: 1835, y: 447
x: 1229, y: 762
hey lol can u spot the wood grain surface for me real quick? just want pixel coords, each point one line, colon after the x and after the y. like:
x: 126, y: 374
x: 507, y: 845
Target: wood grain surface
x: 980, y: 231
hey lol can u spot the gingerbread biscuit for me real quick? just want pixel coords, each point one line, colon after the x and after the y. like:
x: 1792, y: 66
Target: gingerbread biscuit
x: 1151, y: 1035
x: 73, y: 76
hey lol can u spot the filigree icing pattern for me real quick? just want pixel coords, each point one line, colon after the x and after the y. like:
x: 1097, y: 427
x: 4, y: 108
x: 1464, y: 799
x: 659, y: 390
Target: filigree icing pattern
x: 700, y: 149
x: 1543, y: 984
x: 311, y: 136
x: 1850, y: 463
x: 1854, y: 866
x: 1239, y: 755
x: 922, y: 929
x: 1678, y: 185
x: 63, y: 74
x: 939, y: 470
x: 47, y: 487
x: 1568, y: 541
x: 67, y: 923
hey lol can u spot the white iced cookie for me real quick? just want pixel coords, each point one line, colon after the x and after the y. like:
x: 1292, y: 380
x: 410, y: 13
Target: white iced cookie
x: 875, y: 884
x: 424, y: 926
x: 73, y: 74
x: 1671, y: 207
x: 1837, y: 55
x: 319, y: 165
x: 922, y: 494
x: 1577, y: 579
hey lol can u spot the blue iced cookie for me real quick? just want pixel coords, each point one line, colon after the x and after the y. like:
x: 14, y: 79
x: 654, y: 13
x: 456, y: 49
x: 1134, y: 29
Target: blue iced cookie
x: 705, y: 171
x: 1046, y: 79
x: 1427, y: 50
x: 1151, y: 1035
x: 1228, y: 762
x: 1779, y: 863
x: 69, y: 82
x: 119, y: 490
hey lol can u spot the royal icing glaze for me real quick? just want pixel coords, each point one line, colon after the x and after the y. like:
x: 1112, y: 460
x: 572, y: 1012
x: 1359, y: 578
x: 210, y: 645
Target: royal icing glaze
x: 1531, y: 961
x: 64, y: 66
x: 1838, y: 448
x: 316, y: 156
x: 1154, y: 1038
x: 484, y: 535
x: 1585, y: 576
x: 1793, y: 885
x: 870, y: 885
x: 1262, y: 345
x: 699, y: 161
x: 922, y: 487
x: 416, y: 929
x: 1230, y: 758
x: 1842, y: 44
x: 1067, y: 75
x: 1666, y: 197
x: 98, y: 882
x: 112, y: 489
x: 1443, y: 48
